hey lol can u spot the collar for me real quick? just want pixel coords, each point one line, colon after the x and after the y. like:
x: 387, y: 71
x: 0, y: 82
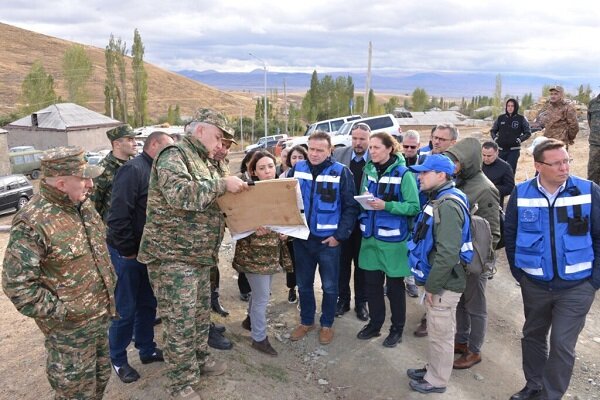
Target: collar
x: 364, y: 156
x: 546, y: 193
x: 196, y: 145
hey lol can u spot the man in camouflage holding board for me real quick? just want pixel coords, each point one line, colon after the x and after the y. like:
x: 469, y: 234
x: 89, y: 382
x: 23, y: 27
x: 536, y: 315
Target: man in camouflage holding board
x: 57, y: 271
x: 593, y: 117
x: 181, y: 242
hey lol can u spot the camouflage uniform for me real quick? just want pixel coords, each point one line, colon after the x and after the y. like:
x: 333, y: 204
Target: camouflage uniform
x: 224, y: 171
x: 559, y: 120
x: 57, y: 271
x: 258, y: 254
x: 110, y: 163
x: 594, y: 139
x: 180, y: 243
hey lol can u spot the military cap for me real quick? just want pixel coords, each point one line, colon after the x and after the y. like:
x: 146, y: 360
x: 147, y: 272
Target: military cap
x: 120, y: 132
x: 217, y: 119
x: 557, y: 88
x: 68, y: 161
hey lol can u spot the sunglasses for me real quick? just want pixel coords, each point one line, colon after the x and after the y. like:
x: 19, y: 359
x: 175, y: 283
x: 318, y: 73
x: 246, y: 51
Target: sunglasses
x: 363, y: 127
x: 409, y: 147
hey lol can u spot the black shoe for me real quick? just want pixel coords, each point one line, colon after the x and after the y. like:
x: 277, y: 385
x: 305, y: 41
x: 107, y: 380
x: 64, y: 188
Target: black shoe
x: 361, y: 311
x: 265, y: 347
x: 217, y: 327
x: 367, y: 332
x: 527, y: 394
x: 246, y: 324
x: 126, y: 373
x: 292, y: 298
x: 215, y: 304
x: 245, y: 296
x: 218, y: 341
x: 341, y: 308
x: 416, y: 373
x: 157, y: 356
x: 393, y: 338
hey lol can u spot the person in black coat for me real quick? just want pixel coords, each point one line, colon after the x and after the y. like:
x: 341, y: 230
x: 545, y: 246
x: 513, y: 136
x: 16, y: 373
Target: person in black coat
x: 497, y: 170
x: 509, y: 131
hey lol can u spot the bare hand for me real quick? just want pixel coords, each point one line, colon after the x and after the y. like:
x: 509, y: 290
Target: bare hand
x: 262, y: 231
x: 283, y: 237
x: 377, y: 204
x: 429, y: 299
x: 331, y: 241
x: 235, y: 184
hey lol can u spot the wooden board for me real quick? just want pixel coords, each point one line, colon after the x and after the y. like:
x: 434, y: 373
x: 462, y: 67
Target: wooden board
x: 272, y: 202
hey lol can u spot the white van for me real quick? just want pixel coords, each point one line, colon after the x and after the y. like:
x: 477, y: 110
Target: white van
x: 329, y: 125
x: 380, y: 123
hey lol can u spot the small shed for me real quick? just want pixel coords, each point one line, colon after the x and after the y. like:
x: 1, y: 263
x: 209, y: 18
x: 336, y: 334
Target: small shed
x: 64, y: 124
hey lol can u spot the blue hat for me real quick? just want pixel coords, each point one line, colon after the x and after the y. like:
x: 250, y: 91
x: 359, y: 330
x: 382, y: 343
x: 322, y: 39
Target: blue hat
x: 435, y: 162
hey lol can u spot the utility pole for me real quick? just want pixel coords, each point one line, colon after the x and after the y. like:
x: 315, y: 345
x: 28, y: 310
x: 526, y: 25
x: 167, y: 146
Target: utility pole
x: 265, y: 67
x: 112, y: 111
x: 285, y: 110
x: 368, y: 82
x: 242, y: 125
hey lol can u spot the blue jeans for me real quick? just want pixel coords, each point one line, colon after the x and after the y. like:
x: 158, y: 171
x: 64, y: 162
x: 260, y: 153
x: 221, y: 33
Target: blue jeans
x: 307, y: 254
x: 136, y: 306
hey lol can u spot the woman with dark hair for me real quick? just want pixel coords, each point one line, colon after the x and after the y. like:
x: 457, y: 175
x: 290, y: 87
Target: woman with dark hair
x: 385, y: 229
x: 258, y: 256
x: 295, y: 154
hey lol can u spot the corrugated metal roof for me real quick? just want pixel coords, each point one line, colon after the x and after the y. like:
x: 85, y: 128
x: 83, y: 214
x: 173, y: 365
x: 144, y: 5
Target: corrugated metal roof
x: 64, y: 117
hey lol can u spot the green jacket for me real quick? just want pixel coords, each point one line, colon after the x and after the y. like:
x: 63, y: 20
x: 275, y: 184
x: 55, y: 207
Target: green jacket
x: 473, y: 182
x: 183, y: 221
x: 447, y: 273
x: 56, y: 267
x: 103, y: 184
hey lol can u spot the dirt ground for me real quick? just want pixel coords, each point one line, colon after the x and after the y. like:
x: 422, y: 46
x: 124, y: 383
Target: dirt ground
x: 346, y: 369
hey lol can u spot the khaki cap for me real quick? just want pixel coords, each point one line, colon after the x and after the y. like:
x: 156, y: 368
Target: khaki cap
x: 217, y: 119
x: 557, y: 88
x: 120, y: 132
x: 68, y: 161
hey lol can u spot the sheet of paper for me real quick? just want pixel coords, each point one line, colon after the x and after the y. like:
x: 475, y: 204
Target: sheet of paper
x: 363, y: 200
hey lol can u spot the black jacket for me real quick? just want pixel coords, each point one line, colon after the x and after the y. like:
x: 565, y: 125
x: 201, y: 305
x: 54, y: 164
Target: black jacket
x: 127, y: 215
x: 510, y: 130
x: 501, y: 175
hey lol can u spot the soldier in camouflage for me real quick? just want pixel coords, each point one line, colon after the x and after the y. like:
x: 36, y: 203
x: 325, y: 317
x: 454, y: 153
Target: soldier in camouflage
x: 559, y: 118
x: 181, y: 242
x: 593, y: 117
x: 123, y: 148
x: 57, y: 271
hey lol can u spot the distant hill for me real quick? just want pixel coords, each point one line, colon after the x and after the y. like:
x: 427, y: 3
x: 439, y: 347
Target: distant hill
x: 20, y: 48
x: 453, y: 85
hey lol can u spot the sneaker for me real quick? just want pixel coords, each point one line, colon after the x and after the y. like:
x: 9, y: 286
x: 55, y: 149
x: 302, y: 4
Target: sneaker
x: 126, y: 373
x: 325, y: 335
x: 422, y: 386
x: 265, y: 347
x: 292, y: 298
x: 187, y: 394
x: 416, y: 373
x: 213, y: 368
x: 412, y: 290
x: 157, y: 356
x: 300, y: 332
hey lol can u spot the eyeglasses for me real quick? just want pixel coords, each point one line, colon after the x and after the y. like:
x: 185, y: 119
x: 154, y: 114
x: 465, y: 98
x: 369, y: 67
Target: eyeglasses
x: 362, y: 126
x: 558, y: 164
x: 441, y: 139
x: 409, y: 147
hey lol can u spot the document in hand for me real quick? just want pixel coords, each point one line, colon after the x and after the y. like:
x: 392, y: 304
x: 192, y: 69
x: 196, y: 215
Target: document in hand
x: 274, y: 203
x: 363, y: 200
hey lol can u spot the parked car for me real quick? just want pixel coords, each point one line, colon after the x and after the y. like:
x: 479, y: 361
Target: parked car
x: 265, y: 142
x: 26, y: 162
x: 20, y: 148
x: 329, y: 125
x: 15, y: 192
x: 380, y: 123
x: 93, y: 158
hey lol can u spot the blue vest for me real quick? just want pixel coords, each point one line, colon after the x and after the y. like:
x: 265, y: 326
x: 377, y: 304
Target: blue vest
x: 422, y: 240
x: 383, y: 225
x: 321, y: 197
x: 555, y: 238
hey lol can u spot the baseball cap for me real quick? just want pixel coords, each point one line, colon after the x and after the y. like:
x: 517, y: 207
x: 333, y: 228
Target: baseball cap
x: 217, y: 119
x: 120, y: 132
x: 435, y: 162
x: 68, y: 161
x: 556, y: 88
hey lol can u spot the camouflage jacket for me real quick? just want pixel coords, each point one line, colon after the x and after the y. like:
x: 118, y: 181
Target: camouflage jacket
x: 258, y: 254
x: 593, y: 116
x: 559, y: 121
x: 56, y: 267
x: 103, y: 184
x: 183, y: 221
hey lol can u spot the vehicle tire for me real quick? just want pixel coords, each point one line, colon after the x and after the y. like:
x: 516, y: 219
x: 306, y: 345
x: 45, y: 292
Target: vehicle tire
x: 22, y: 201
x: 35, y: 174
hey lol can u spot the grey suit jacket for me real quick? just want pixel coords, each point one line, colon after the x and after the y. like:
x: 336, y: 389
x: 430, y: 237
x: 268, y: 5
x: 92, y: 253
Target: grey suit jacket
x: 344, y: 155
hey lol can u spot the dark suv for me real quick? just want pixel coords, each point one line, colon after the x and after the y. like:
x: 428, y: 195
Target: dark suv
x: 15, y: 192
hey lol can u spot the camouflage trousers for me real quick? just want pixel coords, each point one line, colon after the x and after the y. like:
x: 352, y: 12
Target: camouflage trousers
x: 594, y: 164
x: 183, y: 294
x: 78, y: 363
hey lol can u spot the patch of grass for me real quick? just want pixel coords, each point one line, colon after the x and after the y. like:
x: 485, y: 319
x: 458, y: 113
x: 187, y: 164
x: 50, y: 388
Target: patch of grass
x: 275, y: 372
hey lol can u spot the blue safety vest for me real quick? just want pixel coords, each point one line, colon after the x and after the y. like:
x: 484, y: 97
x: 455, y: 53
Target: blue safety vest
x: 555, y: 238
x: 384, y: 225
x: 422, y: 240
x: 321, y: 197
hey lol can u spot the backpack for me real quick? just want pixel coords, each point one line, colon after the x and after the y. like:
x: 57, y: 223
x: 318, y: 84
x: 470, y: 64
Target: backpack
x: 484, y: 257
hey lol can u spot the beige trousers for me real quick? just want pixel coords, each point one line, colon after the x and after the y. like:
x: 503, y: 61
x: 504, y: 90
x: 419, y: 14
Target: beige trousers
x: 441, y: 327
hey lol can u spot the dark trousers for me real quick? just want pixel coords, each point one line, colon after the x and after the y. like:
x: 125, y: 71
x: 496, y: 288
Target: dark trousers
x: 349, y: 253
x: 395, y: 293
x: 243, y: 284
x: 308, y: 254
x: 511, y: 157
x: 290, y: 277
x: 136, y: 306
x: 564, y: 311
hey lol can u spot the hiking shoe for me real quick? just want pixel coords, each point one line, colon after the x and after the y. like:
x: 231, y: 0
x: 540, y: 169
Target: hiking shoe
x: 422, y: 386
x: 157, y: 356
x: 217, y: 341
x: 292, y: 298
x: 218, y: 327
x: 186, y: 394
x: 265, y: 347
x: 213, y: 368
x: 126, y: 373
x: 300, y: 332
x: 247, y: 324
x: 325, y: 335
x: 416, y: 373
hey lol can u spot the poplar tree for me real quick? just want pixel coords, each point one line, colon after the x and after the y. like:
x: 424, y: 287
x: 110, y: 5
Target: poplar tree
x: 37, y: 89
x: 140, y: 81
x: 77, y: 68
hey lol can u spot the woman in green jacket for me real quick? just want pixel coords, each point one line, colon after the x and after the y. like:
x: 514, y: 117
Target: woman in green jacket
x: 385, y: 228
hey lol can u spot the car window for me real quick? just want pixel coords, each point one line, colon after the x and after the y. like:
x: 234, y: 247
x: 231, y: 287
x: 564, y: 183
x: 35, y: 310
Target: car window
x: 23, y: 183
x: 18, y: 160
x: 12, y: 185
x: 380, y: 123
x: 335, y: 125
x: 2, y: 188
x: 323, y: 127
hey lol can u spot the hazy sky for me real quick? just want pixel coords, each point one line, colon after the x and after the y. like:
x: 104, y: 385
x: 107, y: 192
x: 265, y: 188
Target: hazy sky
x: 550, y: 38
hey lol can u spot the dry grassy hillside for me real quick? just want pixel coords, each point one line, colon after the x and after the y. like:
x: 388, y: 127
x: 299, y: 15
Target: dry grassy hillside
x: 20, y: 48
